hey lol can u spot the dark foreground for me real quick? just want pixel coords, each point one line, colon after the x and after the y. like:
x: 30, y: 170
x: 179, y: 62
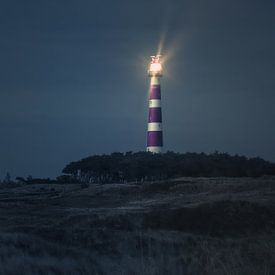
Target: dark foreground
x: 186, y: 226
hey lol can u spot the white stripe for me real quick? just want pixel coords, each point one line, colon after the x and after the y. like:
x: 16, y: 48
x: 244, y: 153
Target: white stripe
x: 154, y: 103
x: 154, y: 126
x: 155, y: 80
x: 154, y: 149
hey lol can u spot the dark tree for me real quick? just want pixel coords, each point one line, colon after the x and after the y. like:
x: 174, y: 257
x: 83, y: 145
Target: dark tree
x: 145, y: 166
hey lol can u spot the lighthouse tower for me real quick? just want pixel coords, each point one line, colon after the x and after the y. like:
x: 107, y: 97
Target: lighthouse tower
x: 154, y: 132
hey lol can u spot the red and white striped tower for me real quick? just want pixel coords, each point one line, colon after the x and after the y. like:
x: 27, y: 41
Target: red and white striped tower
x: 154, y: 132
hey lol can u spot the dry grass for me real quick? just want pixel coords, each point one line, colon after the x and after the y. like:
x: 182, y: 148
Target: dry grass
x: 186, y: 226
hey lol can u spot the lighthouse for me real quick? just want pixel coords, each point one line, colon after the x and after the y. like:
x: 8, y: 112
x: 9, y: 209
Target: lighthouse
x: 154, y: 130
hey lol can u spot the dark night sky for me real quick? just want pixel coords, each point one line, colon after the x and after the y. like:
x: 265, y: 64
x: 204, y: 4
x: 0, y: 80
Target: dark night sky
x: 73, y: 78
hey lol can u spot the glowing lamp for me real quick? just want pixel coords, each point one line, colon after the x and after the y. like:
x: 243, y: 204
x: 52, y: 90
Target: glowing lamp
x: 155, y: 68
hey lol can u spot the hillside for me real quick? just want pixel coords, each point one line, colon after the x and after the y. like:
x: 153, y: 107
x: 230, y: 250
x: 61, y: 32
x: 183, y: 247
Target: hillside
x: 145, y: 166
x: 181, y: 226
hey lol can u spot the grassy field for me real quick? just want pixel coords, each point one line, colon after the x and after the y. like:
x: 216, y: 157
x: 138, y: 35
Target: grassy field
x: 183, y: 226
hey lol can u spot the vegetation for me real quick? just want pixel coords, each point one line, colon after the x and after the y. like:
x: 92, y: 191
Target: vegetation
x: 143, y: 166
x: 208, y: 226
x: 60, y: 179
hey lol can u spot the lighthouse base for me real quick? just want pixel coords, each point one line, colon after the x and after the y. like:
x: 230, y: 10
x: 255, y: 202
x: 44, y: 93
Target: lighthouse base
x: 154, y: 149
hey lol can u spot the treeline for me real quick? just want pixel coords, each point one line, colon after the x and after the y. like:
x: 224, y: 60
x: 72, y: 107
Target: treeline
x: 59, y: 179
x: 145, y: 166
x: 31, y: 180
